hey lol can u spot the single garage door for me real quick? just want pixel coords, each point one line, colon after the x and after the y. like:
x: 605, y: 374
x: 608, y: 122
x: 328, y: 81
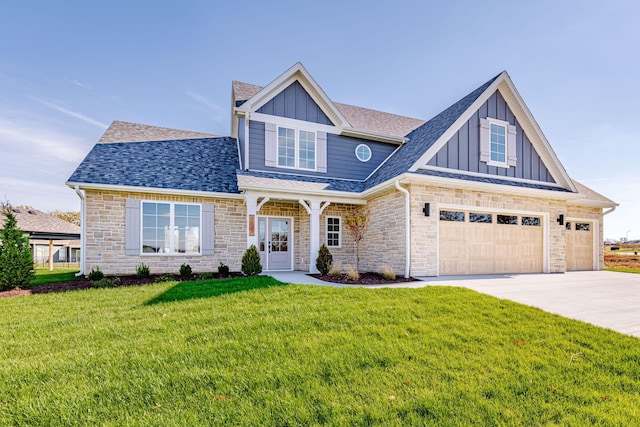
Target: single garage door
x: 480, y: 242
x: 579, y: 246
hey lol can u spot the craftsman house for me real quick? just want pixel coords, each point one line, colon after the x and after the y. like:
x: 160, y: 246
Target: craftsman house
x: 476, y: 189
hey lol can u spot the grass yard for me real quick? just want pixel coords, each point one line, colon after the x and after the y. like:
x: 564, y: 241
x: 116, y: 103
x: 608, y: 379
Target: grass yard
x: 255, y: 352
x: 44, y: 275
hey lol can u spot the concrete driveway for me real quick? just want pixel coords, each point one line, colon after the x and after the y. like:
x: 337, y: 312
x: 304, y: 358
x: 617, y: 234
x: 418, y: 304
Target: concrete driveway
x: 602, y: 298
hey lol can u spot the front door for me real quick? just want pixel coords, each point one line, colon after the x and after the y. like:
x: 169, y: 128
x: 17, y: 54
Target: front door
x: 279, y: 244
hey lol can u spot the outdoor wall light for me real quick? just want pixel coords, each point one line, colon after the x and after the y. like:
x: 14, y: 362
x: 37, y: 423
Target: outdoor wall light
x: 560, y: 219
x: 427, y: 209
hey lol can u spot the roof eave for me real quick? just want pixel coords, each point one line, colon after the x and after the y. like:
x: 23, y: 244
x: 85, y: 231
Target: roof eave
x: 151, y: 190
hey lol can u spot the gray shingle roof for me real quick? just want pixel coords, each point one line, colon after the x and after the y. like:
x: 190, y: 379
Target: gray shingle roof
x: 424, y: 137
x: 331, y: 184
x: 490, y: 180
x: 135, y: 132
x: 206, y: 164
x: 33, y: 220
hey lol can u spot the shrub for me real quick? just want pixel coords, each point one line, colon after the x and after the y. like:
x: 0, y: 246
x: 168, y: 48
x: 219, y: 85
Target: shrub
x: 165, y: 278
x: 352, y: 273
x: 16, y: 258
x: 142, y: 271
x: 336, y: 269
x: 387, y: 272
x: 95, y: 274
x: 185, y: 270
x: 106, y: 283
x: 204, y: 276
x: 324, y: 260
x: 223, y: 269
x: 251, y: 262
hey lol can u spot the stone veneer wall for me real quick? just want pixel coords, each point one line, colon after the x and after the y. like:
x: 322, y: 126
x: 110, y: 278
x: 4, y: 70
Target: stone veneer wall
x: 105, y: 235
x: 584, y: 212
x: 346, y: 253
x: 384, y: 241
x: 424, y: 230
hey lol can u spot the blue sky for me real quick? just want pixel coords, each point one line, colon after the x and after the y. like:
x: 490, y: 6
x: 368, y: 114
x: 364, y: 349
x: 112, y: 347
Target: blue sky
x: 67, y: 69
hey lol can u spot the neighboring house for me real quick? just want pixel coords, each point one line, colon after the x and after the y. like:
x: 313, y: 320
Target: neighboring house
x: 476, y: 189
x: 52, y: 239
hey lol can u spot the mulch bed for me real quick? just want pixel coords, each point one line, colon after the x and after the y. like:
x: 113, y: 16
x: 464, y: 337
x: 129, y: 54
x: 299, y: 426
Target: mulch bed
x: 87, y: 284
x: 365, y: 279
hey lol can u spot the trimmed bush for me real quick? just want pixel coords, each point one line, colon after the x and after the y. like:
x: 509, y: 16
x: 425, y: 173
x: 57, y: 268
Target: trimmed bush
x: 165, y: 278
x: 204, y: 276
x: 142, y: 271
x: 106, y: 283
x: 185, y: 270
x: 16, y: 258
x: 223, y: 269
x: 95, y: 274
x: 324, y: 260
x: 251, y: 262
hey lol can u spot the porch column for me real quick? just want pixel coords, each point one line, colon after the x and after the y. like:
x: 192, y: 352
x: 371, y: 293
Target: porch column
x: 314, y: 209
x: 50, y: 255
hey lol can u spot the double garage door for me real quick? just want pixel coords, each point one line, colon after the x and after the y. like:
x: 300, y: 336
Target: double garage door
x: 481, y: 242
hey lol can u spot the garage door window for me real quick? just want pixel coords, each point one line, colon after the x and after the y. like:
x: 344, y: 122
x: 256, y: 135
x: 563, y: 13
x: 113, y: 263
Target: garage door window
x: 531, y: 221
x: 482, y: 218
x: 583, y: 226
x: 508, y: 219
x: 452, y: 216
x: 568, y: 226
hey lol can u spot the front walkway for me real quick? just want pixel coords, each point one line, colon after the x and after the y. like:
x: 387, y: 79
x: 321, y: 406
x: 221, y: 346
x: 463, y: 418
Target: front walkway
x: 602, y: 298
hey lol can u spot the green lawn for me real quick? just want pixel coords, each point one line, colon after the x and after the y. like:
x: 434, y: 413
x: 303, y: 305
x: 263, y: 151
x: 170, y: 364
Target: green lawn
x: 43, y: 275
x: 624, y: 270
x: 254, y: 352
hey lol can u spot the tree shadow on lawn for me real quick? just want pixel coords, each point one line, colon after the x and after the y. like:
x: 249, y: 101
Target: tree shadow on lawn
x: 213, y: 288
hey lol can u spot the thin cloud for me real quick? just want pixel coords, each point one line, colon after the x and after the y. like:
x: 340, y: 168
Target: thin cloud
x: 219, y: 112
x: 46, y: 197
x: 68, y: 112
x: 80, y: 84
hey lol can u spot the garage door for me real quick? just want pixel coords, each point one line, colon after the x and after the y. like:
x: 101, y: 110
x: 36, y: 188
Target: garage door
x: 480, y: 242
x: 579, y: 245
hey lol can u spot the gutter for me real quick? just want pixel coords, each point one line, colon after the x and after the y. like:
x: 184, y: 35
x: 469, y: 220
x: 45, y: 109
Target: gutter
x: 613, y: 208
x: 407, y: 228
x: 83, y: 228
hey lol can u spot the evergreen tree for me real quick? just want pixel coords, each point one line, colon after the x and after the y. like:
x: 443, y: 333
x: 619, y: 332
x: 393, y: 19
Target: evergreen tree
x: 324, y: 260
x: 16, y: 258
x: 251, y: 262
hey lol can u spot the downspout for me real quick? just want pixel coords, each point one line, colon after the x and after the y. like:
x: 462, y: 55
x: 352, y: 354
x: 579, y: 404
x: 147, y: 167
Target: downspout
x: 83, y: 228
x: 407, y: 228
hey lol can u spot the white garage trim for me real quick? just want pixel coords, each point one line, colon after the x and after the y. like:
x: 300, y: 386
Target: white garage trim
x: 596, y: 237
x: 543, y: 215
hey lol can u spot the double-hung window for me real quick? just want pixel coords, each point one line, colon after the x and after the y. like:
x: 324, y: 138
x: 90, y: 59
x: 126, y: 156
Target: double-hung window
x: 296, y: 148
x: 171, y: 228
x: 334, y: 232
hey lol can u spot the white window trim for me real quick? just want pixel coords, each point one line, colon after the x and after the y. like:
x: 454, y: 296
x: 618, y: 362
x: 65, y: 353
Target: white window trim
x: 339, y: 218
x: 297, y: 148
x: 505, y: 125
x: 171, y: 226
x: 367, y: 147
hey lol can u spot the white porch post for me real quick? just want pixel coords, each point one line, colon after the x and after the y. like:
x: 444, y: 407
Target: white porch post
x: 314, y: 243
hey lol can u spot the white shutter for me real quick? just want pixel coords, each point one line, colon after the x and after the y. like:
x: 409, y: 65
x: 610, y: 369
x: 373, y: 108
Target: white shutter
x: 485, y: 141
x: 512, y: 160
x: 321, y: 151
x: 208, y: 229
x: 270, y: 144
x: 132, y: 227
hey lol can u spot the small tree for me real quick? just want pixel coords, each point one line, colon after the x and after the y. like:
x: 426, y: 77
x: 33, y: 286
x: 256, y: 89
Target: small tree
x: 251, y: 262
x: 324, y: 260
x: 357, y: 225
x: 16, y: 258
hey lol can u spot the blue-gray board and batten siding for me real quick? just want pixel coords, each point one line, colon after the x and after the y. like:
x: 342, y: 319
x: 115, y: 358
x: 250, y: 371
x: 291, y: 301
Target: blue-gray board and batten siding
x: 295, y: 103
x: 462, y: 151
x: 341, y: 156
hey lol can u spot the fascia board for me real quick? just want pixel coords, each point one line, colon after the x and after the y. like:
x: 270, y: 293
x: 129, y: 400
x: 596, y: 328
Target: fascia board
x: 152, y: 190
x: 293, y: 194
x: 446, y: 136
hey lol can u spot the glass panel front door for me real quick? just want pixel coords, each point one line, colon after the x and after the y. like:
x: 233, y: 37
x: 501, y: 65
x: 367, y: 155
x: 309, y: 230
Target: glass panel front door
x: 278, y: 245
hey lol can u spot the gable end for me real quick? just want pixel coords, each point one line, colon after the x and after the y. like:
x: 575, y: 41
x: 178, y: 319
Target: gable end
x: 295, y: 103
